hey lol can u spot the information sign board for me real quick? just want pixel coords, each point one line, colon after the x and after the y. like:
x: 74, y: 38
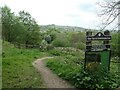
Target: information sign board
x: 97, y: 56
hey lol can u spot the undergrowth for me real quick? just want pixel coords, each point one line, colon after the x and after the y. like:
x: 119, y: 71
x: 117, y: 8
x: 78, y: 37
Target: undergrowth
x: 70, y: 68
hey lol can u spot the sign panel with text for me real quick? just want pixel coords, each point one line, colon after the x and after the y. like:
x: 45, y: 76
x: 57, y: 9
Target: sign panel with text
x: 97, y: 56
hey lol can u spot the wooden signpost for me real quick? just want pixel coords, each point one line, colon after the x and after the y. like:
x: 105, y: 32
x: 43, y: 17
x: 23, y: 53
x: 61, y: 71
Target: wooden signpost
x: 97, y: 56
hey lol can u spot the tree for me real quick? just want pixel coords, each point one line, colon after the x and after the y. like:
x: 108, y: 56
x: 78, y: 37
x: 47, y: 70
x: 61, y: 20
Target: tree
x: 48, y: 39
x: 13, y: 29
x: 22, y: 29
x: 111, y: 9
x: 32, y: 28
x: 19, y: 32
x: 61, y: 41
x: 7, y: 22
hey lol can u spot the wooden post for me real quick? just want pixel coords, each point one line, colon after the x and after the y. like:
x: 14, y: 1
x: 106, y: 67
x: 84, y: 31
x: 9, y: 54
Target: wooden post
x: 88, y: 42
x: 106, y: 42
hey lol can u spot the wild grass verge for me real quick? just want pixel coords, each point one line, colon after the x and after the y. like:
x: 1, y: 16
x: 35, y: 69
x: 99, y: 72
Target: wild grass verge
x: 17, y: 69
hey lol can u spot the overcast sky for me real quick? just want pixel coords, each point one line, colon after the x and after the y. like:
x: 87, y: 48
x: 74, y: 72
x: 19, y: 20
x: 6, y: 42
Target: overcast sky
x: 82, y: 13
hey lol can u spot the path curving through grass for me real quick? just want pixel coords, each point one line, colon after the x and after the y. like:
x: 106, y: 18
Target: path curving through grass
x: 50, y: 79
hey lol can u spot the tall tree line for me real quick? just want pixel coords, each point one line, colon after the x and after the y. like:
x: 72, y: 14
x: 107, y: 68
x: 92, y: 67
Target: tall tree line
x: 21, y: 28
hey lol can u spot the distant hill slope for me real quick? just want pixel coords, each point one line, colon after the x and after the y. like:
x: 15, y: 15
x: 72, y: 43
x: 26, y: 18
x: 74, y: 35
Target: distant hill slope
x: 58, y: 27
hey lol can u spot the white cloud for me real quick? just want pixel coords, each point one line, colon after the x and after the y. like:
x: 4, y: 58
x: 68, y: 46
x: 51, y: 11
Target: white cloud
x: 61, y: 12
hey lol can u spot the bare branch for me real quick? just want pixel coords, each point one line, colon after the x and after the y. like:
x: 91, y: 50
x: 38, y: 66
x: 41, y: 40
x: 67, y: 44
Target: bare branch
x: 110, y: 11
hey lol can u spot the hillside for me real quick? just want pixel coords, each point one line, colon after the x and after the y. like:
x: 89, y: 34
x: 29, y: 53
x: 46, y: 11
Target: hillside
x: 58, y: 27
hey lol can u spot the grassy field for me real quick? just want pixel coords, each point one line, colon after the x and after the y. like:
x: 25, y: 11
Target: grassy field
x: 17, y: 69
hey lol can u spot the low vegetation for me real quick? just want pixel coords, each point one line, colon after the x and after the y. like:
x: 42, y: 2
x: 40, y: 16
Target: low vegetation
x: 18, y: 71
x: 71, y: 68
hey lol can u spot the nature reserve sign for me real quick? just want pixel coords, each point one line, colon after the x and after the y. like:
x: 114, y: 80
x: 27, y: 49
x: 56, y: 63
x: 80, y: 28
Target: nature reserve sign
x: 97, y: 55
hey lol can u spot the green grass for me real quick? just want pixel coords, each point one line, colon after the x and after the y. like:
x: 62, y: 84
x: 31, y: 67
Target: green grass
x: 64, y: 67
x: 66, y: 64
x: 17, y: 69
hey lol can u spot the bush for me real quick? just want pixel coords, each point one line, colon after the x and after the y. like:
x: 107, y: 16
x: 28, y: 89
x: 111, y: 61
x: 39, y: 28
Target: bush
x: 61, y: 43
x: 80, y: 46
x: 50, y: 47
x: 48, y: 39
x: 100, y: 80
x: 55, y: 52
x: 43, y: 46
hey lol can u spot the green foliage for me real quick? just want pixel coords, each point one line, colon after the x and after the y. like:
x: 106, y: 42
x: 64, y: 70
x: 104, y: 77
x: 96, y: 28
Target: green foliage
x: 53, y: 33
x: 8, y: 23
x: 50, y: 47
x: 55, y: 52
x: 115, y: 68
x: 43, y: 45
x: 80, y: 46
x: 77, y: 40
x: 48, y: 39
x: 17, y: 69
x: 62, y: 68
x: 70, y: 68
x: 119, y: 44
x: 61, y: 41
x: 114, y: 44
x: 100, y: 80
x: 63, y: 51
x: 32, y: 28
x: 22, y: 29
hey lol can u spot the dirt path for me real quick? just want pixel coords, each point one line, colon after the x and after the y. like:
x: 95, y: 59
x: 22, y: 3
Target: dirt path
x: 50, y: 79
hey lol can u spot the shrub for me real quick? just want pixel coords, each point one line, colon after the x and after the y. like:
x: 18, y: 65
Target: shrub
x: 48, y: 39
x: 61, y: 43
x: 100, y: 80
x: 80, y: 46
x: 50, y: 47
x: 55, y: 52
x: 43, y: 46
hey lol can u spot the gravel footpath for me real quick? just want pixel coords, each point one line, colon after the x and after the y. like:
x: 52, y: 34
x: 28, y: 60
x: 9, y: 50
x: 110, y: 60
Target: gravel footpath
x: 50, y: 79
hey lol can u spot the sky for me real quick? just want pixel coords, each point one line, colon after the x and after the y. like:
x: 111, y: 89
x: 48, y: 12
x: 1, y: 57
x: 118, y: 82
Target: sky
x: 81, y: 13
